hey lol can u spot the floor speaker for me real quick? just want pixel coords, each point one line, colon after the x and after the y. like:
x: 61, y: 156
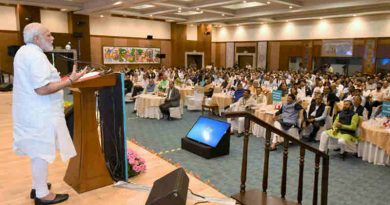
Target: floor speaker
x: 170, y: 189
x: 6, y: 87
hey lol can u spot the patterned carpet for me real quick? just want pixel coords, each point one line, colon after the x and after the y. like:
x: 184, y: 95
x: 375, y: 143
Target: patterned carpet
x: 351, y: 182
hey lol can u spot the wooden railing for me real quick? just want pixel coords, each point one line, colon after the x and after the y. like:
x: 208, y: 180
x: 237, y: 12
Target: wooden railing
x: 257, y: 197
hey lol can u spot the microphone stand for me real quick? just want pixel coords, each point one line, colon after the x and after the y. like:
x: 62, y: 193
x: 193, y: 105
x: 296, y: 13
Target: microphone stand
x: 99, y: 67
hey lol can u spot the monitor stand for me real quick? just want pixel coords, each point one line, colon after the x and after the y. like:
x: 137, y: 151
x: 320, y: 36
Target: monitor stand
x: 206, y: 151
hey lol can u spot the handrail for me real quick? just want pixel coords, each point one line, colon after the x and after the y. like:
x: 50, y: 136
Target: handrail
x: 274, y: 130
x: 248, y: 117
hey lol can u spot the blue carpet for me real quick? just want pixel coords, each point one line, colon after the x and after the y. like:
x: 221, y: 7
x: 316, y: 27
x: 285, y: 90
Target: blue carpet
x: 351, y: 182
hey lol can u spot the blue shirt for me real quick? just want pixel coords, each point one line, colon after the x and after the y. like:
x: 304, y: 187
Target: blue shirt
x: 150, y: 88
x: 238, y: 94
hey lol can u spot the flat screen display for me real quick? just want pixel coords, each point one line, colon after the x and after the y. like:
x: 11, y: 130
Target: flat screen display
x: 208, y: 131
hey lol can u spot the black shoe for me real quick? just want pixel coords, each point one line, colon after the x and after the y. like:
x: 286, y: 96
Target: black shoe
x: 58, y: 199
x: 169, y: 118
x: 308, y: 139
x: 32, y: 193
x: 343, y: 156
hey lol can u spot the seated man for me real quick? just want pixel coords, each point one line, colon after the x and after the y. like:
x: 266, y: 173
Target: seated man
x: 140, y: 86
x: 316, y: 116
x: 358, y: 108
x: 208, y: 88
x: 163, y: 85
x: 344, y: 129
x: 151, y: 88
x: 286, y: 118
x: 172, y: 100
x: 243, y: 104
x: 238, y: 93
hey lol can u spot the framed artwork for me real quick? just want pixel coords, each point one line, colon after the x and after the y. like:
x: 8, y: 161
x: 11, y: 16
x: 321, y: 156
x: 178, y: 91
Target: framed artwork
x: 130, y: 55
x: 337, y: 48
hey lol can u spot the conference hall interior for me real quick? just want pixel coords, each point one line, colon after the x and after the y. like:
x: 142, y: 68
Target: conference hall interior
x: 181, y: 102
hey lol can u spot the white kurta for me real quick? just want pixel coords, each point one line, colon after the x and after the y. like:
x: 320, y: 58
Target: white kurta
x: 38, y: 120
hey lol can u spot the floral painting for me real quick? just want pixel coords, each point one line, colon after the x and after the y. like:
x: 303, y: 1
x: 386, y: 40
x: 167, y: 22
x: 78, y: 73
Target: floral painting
x: 130, y: 55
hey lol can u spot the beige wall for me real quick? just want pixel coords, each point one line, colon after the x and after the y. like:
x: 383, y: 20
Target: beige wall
x: 8, y: 18
x: 128, y: 27
x: 353, y: 27
x: 55, y: 21
x: 192, y: 33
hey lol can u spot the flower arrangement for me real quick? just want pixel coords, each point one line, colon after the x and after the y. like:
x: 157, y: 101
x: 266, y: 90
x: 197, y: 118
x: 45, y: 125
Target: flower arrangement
x: 386, y: 123
x: 136, y: 164
x: 67, y: 104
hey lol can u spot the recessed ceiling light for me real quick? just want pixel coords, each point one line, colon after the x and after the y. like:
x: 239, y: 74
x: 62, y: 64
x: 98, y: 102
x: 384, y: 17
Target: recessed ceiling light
x: 222, y: 14
x: 151, y: 15
x: 189, y: 13
x: 286, y: 21
x: 63, y: 9
x: 197, y: 9
x: 244, y: 5
x: 117, y: 3
x: 354, y: 15
x: 179, y: 11
x: 321, y: 18
x: 290, y: 7
x: 268, y: 2
x: 244, y: 2
x: 179, y: 8
x: 144, y: 6
x: 101, y: 16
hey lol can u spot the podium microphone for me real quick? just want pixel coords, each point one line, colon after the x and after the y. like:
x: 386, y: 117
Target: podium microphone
x: 95, y: 66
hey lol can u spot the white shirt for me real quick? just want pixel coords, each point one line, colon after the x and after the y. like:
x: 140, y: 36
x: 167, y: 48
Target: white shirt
x: 39, y: 121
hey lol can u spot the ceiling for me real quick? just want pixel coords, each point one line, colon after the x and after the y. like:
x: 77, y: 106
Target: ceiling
x: 230, y: 12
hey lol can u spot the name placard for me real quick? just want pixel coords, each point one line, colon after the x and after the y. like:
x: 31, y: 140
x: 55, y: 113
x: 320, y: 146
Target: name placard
x: 276, y: 96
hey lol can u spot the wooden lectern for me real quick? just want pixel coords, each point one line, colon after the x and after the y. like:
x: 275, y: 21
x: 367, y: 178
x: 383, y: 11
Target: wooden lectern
x: 87, y: 170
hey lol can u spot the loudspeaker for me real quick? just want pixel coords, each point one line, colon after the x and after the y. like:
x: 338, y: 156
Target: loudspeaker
x: 12, y: 50
x: 170, y: 189
x: 80, y: 23
x: 150, y: 37
x: 161, y: 55
x: 6, y: 87
x: 77, y: 34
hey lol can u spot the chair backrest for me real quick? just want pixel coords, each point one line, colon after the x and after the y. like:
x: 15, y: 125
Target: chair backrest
x: 328, y: 119
x: 358, y: 130
x: 198, y: 95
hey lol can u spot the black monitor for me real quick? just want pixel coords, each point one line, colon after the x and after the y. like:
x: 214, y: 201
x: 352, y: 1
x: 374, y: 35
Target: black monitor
x: 112, y: 111
x: 208, y: 131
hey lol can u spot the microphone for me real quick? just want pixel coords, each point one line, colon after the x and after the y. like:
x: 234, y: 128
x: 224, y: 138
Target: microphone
x: 96, y: 67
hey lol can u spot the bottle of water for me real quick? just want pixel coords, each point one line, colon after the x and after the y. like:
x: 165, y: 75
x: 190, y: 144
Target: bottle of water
x: 68, y: 47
